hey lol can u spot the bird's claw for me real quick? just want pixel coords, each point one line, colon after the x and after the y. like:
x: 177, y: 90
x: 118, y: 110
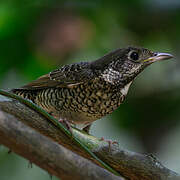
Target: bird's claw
x: 66, y: 123
x: 110, y: 142
x: 30, y: 164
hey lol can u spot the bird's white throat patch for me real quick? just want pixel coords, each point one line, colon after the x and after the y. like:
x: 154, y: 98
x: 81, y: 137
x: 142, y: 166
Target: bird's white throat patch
x: 110, y: 75
x: 125, y: 89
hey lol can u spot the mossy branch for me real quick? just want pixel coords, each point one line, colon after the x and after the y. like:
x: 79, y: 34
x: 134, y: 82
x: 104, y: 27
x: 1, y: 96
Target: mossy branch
x: 130, y: 165
x: 58, y: 125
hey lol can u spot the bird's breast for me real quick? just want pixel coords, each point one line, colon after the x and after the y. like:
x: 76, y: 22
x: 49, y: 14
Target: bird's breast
x: 84, y: 103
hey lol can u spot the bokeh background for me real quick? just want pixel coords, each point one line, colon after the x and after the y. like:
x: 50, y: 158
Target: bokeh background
x: 39, y: 35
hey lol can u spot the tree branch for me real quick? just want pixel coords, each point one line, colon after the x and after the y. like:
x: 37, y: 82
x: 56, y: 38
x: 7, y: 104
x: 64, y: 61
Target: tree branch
x: 131, y: 165
x: 46, y: 153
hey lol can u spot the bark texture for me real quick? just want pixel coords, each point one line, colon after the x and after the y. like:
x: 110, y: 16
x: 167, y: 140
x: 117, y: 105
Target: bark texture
x: 34, y: 137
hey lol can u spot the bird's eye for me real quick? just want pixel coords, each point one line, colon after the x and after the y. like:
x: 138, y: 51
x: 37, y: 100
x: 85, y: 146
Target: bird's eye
x: 134, y: 56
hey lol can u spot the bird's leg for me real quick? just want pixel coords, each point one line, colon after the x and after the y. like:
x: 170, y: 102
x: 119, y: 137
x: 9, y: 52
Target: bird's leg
x: 87, y: 128
x: 110, y: 142
x: 63, y: 121
x: 30, y: 164
x: 66, y: 123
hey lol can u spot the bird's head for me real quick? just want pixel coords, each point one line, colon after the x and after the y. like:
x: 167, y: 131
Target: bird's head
x: 123, y: 65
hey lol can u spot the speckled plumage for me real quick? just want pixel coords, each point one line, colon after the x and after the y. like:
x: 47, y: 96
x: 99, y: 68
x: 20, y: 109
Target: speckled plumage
x: 84, y: 92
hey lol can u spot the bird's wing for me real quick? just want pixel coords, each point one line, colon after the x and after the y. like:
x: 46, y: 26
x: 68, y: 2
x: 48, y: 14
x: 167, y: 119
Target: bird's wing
x: 66, y: 76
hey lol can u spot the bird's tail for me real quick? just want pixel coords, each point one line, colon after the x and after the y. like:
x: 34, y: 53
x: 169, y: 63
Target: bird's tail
x: 27, y: 94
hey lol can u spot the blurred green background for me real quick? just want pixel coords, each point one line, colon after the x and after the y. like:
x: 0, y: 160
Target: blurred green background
x: 39, y: 35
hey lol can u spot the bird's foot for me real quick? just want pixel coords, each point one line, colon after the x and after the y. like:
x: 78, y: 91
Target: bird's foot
x: 66, y: 123
x: 30, y: 164
x: 110, y: 142
x: 87, y: 128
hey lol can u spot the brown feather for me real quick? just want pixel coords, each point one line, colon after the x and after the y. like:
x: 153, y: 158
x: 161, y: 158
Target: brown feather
x: 45, y: 81
x: 67, y: 76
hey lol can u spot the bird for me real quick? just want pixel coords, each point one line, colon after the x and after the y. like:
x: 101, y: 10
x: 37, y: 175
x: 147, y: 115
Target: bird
x: 83, y: 92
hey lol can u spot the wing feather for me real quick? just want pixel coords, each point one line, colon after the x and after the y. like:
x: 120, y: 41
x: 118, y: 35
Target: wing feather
x: 66, y: 76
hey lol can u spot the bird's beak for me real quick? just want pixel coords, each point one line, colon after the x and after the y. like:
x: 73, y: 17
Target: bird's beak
x: 158, y: 57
